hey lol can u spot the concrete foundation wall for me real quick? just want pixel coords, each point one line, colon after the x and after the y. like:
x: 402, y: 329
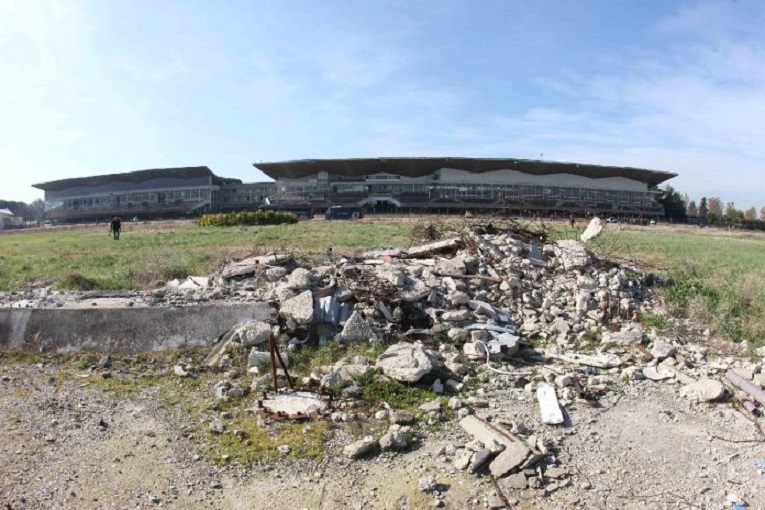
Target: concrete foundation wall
x: 123, y: 330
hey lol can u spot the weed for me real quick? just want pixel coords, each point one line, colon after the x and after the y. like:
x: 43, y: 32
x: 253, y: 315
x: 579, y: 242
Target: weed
x: 375, y: 390
x: 83, y: 363
x: 77, y: 281
x: 253, y: 442
x: 653, y: 320
x: 590, y: 341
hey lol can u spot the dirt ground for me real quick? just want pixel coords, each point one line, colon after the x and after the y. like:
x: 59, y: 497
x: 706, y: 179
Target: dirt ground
x: 68, y: 445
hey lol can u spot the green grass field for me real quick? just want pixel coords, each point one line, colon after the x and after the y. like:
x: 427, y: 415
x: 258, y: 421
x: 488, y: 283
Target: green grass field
x: 719, y: 276
x: 148, y: 253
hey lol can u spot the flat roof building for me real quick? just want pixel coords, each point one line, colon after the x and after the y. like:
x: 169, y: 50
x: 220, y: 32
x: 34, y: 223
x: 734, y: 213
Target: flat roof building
x: 161, y: 192
x: 469, y: 183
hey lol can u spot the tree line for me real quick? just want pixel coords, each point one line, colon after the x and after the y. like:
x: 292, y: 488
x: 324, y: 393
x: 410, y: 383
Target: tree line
x: 33, y: 211
x: 710, y: 211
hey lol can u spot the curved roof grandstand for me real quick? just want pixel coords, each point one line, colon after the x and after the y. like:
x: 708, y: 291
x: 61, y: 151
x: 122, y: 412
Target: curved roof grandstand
x: 418, y: 167
x: 129, y: 177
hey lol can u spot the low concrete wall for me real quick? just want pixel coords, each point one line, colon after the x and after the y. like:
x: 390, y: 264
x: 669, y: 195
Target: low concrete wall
x: 126, y: 330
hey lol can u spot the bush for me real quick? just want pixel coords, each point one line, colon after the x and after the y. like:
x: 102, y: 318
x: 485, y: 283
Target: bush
x: 78, y: 281
x: 247, y: 218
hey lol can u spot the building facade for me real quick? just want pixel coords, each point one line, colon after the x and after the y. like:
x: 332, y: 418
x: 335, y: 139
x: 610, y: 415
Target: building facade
x: 378, y: 184
x: 435, y: 184
x: 164, y: 192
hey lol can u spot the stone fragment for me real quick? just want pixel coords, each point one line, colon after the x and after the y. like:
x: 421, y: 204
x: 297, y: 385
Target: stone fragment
x: 406, y: 362
x: 462, y: 458
x: 658, y: 373
x: 253, y: 264
x: 571, y: 254
x: 662, y: 349
x: 252, y: 333
x: 396, y: 438
x: 401, y: 417
x: 298, y: 308
x: 455, y: 316
x: 357, y: 329
x: 624, y: 338
x: 361, y: 447
x: 704, y: 390
x: 275, y: 273
x: 427, y: 484
x: 299, y: 279
x: 480, y: 458
x: 516, y: 481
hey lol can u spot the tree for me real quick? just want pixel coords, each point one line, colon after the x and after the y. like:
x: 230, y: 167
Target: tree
x: 750, y: 214
x: 36, y: 210
x: 715, y: 212
x: 762, y: 213
x: 703, y: 209
x: 674, y: 206
x: 730, y: 211
x: 692, y: 210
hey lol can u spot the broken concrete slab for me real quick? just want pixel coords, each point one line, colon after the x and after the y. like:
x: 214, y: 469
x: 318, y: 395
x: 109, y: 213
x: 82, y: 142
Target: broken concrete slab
x: 297, y: 403
x: 407, y: 362
x: 251, y: 265
x: 571, y: 254
x: 357, y: 329
x: 361, y: 447
x: 704, y: 390
x: 251, y: 333
x: 597, y: 361
x: 658, y: 373
x: 516, y: 453
x: 299, y: 279
x: 548, y: 405
x: 425, y: 250
x: 126, y: 330
x: 298, y: 308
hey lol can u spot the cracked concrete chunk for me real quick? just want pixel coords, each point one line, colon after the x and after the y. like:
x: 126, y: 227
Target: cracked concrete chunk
x: 298, y: 308
x: 704, y: 390
x: 571, y: 254
x: 407, y: 362
x: 357, y: 329
x: 361, y: 448
x: 299, y: 279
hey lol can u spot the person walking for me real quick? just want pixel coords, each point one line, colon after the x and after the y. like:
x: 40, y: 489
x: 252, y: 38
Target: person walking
x: 115, y: 227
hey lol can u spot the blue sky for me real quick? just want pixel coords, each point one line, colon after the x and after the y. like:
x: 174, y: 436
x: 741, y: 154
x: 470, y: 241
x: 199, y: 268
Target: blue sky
x: 93, y: 87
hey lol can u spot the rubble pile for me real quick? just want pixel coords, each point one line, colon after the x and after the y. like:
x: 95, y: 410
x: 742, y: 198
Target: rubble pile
x: 474, y: 317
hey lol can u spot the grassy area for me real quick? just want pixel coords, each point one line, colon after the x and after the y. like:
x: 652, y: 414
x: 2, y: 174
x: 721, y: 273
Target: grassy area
x: 719, y: 276
x: 88, y: 259
x: 716, y: 277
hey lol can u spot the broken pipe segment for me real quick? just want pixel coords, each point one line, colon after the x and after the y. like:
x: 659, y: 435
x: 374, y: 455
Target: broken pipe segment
x: 746, y: 385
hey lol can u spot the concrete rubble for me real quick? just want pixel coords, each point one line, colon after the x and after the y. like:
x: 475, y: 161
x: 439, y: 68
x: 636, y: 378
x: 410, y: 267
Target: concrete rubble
x: 549, y: 318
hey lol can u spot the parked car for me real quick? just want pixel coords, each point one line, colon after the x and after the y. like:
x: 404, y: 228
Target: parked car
x: 344, y: 212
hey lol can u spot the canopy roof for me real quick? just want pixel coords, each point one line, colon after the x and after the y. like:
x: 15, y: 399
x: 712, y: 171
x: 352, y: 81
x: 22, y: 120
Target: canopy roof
x: 137, y: 176
x: 418, y: 167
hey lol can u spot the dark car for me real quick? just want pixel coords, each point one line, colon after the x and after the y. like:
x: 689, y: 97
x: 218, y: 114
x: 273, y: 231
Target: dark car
x: 344, y: 212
